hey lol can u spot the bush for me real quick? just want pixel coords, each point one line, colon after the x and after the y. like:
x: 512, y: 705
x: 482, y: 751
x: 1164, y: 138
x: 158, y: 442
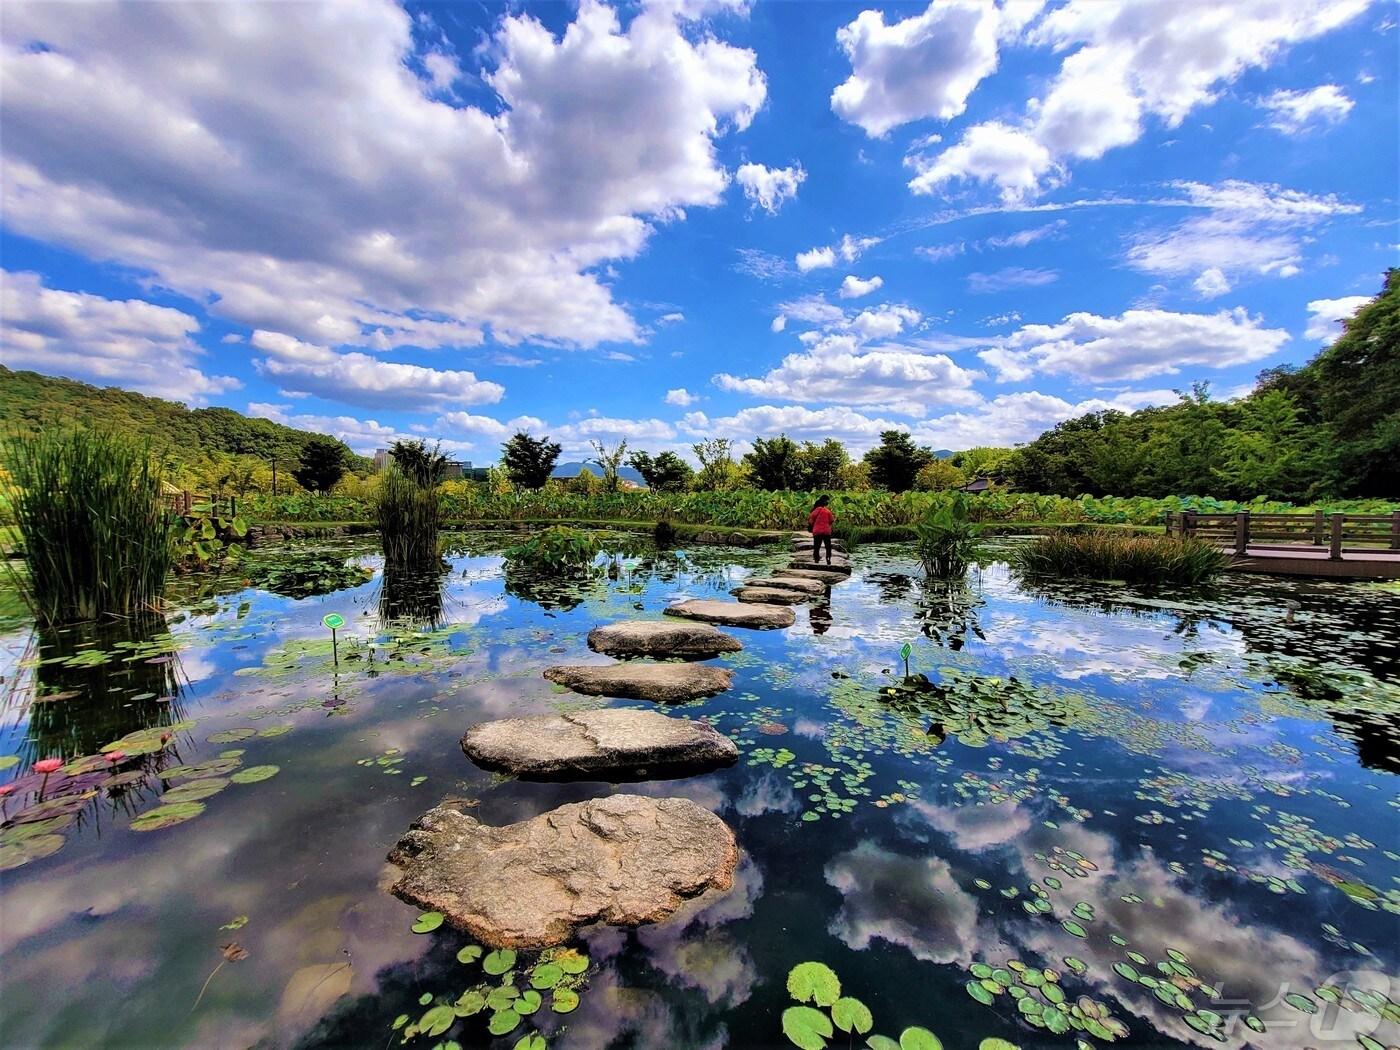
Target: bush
x: 97, y: 538
x: 1116, y: 556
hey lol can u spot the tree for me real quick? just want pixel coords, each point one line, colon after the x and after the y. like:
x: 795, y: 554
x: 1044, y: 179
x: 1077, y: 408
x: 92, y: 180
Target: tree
x: 529, y: 461
x: 982, y: 461
x: 820, y: 466
x: 773, y: 463
x: 610, y: 460
x: 716, y: 464
x: 1271, y: 452
x: 939, y: 476
x: 322, y: 464
x: 415, y: 461
x: 896, y: 460
x: 664, y: 472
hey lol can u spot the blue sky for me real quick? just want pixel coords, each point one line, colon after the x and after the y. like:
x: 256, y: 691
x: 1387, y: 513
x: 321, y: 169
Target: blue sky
x: 697, y: 219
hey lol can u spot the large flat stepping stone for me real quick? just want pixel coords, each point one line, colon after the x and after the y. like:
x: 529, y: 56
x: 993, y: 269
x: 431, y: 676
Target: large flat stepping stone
x: 805, y: 544
x: 833, y: 566
x: 614, y: 745
x: 812, y: 573
x: 773, y: 595
x: 734, y: 614
x: 624, y: 860
x: 661, y: 638
x: 816, y: 588
x: 667, y: 683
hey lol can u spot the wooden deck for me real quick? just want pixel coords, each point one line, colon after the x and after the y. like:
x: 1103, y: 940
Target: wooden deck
x: 1336, y: 545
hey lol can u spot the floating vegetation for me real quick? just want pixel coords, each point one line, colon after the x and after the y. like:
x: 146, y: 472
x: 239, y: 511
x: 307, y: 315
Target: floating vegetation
x: 979, y: 709
x: 1041, y: 999
x: 304, y: 576
x: 1104, y: 555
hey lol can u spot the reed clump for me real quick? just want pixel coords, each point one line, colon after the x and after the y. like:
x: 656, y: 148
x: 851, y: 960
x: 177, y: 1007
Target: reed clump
x: 97, y: 540
x: 1117, y: 556
x: 408, y: 514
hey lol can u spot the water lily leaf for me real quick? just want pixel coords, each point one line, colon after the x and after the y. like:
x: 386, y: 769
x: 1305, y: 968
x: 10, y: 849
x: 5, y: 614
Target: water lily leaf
x: 806, y: 1027
x: 216, y: 767
x: 980, y: 993
x: 253, y: 774
x: 919, y: 1039
x: 498, y: 962
x: 546, y: 975
x: 194, y: 790
x: 6, y: 761
x: 437, y: 1020
x: 533, y: 1041
x: 167, y: 816
x: 428, y: 922
x: 571, y: 961
x: 1073, y: 928
x: 470, y: 954
x: 503, y: 997
x: 851, y: 1015
x: 230, y: 736
x: 528, y: 1002
x: 814, y: 982
x: 53, y: 807
x: 32, y: 829
x: 503, y: 1021
x: 35, y: 847
x: 563, y: 1001
x: 881, y: 1042
x: 399, y: 1022
x: 996, y: 1044
x: 1300, y: 1002
x: 468, y: 1003
x: 425, y: 998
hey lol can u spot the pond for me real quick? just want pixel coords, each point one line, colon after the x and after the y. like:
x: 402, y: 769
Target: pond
x: 1171, y: 818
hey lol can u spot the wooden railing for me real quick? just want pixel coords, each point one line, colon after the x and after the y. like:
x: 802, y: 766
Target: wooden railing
x: 1338, y: 534
x: 184, y: 502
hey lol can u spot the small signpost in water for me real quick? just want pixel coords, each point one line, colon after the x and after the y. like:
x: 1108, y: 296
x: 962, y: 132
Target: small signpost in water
x: 905, y: 652
x: 335, y: 621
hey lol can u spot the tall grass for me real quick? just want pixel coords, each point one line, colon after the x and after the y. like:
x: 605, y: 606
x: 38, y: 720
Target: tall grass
x: 1117, y: 556
x: 408, y: 514
x: 97, y: 539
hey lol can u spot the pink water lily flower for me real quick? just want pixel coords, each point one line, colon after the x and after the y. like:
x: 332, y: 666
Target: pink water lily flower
x: 116, y: 756
x: 48, y: 765
x: 6, y: 789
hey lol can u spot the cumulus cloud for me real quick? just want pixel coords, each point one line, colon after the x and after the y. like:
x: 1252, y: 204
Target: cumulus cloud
x: 1292, y: 112
x: 1325, y: 316
x: 769, y: 188
x: 923, y: 66
x: 854, y: 287
x: 1010, y: 277
x: 816, y: 259
x: 1212, y: 283
x: 362, y: 435
x: 1124, y: 63
x: 681, y: 396
x: 1134, y: 345
x: 130, y: 342
x: 848, y: 249
x: 287, y: 165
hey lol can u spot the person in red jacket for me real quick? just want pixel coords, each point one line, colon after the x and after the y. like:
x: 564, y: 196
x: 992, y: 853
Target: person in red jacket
x: 819, y: 521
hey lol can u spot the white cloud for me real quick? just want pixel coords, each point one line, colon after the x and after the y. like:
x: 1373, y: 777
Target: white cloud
x: 1325, y: 316
x: 1022, y: 238
x: 811, y: 309
x: 1294, y: 111
x: 1123, y: 63
x: 854, y: 287
x: 1211, y: 283
x: 996, y: 320
x: 852, y: 248
x: 779, y: 323
x: 362, y: 435
x: 360, y: 379
x: 769, y: 188
x: 1265, y: 201
x: 1135, y: 345
x: 923, y: 66
x: 682, y: 397
x: 764, y: 265
x: 469, y: 423
x: 286, y: 165
x: 1010, y: 277
x: 131, y: 343
x: 884, y: 321
x: 939, y: 252
x: 675, y: 317
x: 816, y: 259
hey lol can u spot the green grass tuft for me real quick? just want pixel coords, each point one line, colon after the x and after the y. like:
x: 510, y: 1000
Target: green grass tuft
x: 1117, y: 556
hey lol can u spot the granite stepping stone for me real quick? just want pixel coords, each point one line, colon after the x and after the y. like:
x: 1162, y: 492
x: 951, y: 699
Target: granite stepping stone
x: 614, y: 744
x: 633, y: 680
x: 771, y: 595
x: 816, y: 588
x: 734, y: 614
x: 661, y: 638
x: 811, y: 572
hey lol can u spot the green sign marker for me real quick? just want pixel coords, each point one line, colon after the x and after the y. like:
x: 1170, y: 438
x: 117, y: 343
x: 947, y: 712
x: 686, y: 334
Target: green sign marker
x: 905, y: 651
x: 333, y: 621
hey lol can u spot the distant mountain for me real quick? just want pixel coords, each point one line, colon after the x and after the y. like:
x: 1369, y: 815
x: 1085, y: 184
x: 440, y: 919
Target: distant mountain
x: 572, y: 470
x: 943, y: 453
x: 30, y: 402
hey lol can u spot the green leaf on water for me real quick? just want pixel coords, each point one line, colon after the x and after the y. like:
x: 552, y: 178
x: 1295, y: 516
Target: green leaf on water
x: 571, y: 961
x: 564, y: 1000
x: 18, y: 853
x: 498, y: 962
x: 468, y: 1003
x: 806, y: 1027
x: 919, y: 1039
x: 437, y: 1020
x: 980, y: 993
x: 996, y: 1044
x: 470, y: 954
x: 253, y: 774
x: 425, y: 998
x: 814, y: 982
x: 428, y: 922
x: 1073, y: 928
x: 167, y: 816
x: 399, y: 1022
x: 6, y: 761
x: 851, y: 1015
x: 546, y: 975
x: 533, y: 1041
x: 528, y: 1002
x: 194, y: 790
x: 230, y: 736
x: 881, y: 1042
x: 503, y: 1021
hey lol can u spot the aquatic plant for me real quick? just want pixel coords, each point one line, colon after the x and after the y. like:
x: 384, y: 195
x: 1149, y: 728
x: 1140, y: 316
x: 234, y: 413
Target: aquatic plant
x: 1116, y: 556
x: 303, y: 576
x: 557, y: 548
x: 204, y: 539
x: 97, y: 540
x: 408, y: 514
x: 946, y: 539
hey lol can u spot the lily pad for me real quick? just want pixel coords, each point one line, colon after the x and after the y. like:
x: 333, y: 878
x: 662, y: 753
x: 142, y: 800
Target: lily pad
x: 851, y: 1015
x: 563, y: 1001
x: 167, y: 816
x: 230, y: 736
x: 428, y: 922
x: 528, y: 1002
x: 546, y: 975
x: 806, y: 1027
x: 470, y: 954
x: 194, y: 790
x: 215, y: 767
x: 814, y: 982
x: 571, y: 961
x: 503, y: 1021
x: 498, y: 962
x: 253, y: 774
x: 437, y: 1020
x: 35, y: 847
x: 919, y: 1039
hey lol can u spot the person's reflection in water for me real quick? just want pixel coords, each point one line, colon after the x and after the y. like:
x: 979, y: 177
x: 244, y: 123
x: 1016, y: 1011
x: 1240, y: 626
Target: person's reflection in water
x: 819, y: 615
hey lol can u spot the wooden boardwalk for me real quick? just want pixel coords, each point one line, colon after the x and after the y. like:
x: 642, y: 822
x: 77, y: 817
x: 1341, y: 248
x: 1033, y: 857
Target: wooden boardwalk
x: 1336, y: 545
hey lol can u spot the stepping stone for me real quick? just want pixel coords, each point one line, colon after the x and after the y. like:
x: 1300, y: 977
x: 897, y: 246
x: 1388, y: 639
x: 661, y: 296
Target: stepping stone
x: 661, y: 638
x: 810, y: 572
x: 773, y: 595
x: 667, y: 683
x: 734, y: 614
x: 834, y: 566
x: 611, y: 745
x: 789, y: 583
x: 805, y: 544
x: 623, y: 860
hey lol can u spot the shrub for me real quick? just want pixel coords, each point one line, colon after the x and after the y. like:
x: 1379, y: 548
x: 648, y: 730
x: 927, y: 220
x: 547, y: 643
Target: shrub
x: 97, y: 538
x: 1116, y: 556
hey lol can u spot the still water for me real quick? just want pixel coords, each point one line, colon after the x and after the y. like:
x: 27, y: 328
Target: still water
x: 1181, y: 806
